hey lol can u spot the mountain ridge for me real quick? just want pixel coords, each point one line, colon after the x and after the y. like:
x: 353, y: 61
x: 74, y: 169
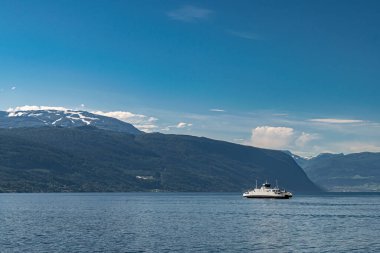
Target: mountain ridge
x: 356, y: 172
x: 49, y: 159
x: 63, y: 117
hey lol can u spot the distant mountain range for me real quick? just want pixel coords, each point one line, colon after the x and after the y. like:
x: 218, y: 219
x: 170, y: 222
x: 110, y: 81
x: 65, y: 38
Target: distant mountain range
x: 358, y: 172
x: 46, y: 151
x: 71, y: 150
x: 62, y: 117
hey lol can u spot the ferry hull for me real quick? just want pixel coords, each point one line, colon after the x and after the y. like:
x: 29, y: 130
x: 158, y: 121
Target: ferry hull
x: 266, y: 197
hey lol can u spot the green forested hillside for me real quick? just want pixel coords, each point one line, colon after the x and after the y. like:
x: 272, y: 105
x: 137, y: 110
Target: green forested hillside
x: 52, y: 159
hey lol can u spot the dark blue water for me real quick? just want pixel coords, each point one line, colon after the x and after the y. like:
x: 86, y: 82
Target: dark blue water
x: 188, y: 222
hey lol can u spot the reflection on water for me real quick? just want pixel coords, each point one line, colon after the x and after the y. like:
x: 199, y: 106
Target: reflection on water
x: 187, y: 222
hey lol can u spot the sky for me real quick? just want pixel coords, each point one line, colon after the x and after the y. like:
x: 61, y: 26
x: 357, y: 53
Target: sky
x: 296, y: 75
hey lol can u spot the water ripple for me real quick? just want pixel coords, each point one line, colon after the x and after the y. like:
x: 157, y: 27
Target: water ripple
x: 187, y: 222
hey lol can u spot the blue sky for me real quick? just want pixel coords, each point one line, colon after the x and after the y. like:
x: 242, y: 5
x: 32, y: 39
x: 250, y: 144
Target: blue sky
x: 298, y: 75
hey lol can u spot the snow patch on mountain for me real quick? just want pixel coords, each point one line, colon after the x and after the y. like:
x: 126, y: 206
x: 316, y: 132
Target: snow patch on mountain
x: 16, y: 114
x: 35, y: 116
x: 56, y: 121
x: 77, y: 115
x: 49, y: 112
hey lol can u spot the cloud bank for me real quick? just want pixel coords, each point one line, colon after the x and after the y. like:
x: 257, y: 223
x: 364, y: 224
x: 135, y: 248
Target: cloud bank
x: 217, y: 110
x: 179, y: 126
x: 36, y: 108
x: 305, y: 138
x: 142, y: 122
x: 183, y: 125
x: 271, y: 137
x: 280, y: 137
x: 336, y: 121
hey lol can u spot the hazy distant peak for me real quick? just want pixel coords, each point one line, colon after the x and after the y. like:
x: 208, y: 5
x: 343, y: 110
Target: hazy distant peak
x: 327, y: 155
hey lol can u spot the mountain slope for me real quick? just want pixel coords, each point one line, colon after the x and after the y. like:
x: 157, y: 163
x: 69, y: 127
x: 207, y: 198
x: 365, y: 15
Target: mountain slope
x: 339, y: 172
x: 91, y: 159
x: 62, y: 117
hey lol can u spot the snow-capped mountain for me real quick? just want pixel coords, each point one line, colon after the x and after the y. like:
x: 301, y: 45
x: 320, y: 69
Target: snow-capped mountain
x: 59, y: 116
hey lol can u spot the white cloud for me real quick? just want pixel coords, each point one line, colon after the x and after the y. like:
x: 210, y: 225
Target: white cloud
x: 336, y: 121
x: 123, y: 116
x: 272, y: 137
x: 217, y: 110
x: 180, y: 125
x: 183, y: 125
x: 285, y: 138
x: 245, y: 35
x: 305, y: 138
x: 355, y: 147
x: 13, y: 88
x: 189, y: 13
x: 36, y: 108
x: 142, y: 122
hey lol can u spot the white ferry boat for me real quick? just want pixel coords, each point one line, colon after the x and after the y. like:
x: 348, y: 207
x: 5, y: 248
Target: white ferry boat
x: 265, y: 191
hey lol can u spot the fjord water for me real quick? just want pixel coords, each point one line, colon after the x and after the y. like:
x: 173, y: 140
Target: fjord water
x: 188, y: 222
